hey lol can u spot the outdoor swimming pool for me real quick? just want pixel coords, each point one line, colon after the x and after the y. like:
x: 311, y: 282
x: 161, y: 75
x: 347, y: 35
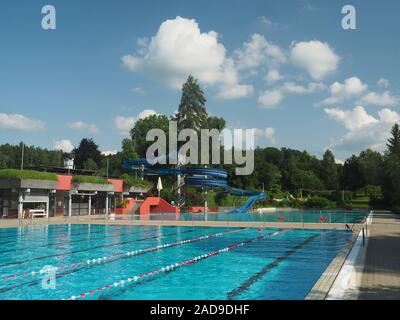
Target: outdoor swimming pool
x: 163, y: 262
x: 327, y: 216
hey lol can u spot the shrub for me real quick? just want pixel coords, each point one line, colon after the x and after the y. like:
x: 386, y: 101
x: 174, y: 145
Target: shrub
x: 122, y: 204
x: 132, y: 181
x: 89, y: 179
x: 319, y: 202
x: 14, y: 174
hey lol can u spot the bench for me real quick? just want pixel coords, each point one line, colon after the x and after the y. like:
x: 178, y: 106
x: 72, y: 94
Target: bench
x: 39, y: 213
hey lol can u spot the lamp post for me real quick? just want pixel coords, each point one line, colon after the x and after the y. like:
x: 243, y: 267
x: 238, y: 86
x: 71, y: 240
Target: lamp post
x: 22, y: 155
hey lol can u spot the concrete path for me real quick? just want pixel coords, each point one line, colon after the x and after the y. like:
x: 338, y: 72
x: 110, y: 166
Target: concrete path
x: 380, y: 277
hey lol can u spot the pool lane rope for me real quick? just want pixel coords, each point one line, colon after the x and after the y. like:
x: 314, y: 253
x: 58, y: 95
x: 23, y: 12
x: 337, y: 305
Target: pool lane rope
x: 138, y: 278
x: 87, y: 239
x: 93, y: 248
x: 115, y: 256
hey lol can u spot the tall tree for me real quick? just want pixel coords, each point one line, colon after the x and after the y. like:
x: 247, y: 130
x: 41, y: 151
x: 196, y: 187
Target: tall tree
x: 192, y: 113
x: 216, y: 123
x: 142, y: 126
x: 394, y: 141
x: 352, y: 176
x: 329, y: 171
x: 128, y: 149
x: 391, y: 170
x: 371, y: 166
x: 86, y: 150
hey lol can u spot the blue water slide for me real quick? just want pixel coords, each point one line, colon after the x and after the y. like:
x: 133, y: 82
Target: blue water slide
x: 202, y: 177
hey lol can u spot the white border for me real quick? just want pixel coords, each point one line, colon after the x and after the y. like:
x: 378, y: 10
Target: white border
x: 346, y: 280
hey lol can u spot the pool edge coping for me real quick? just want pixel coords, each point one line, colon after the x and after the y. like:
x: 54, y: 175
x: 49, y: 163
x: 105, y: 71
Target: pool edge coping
x: 324, y: 286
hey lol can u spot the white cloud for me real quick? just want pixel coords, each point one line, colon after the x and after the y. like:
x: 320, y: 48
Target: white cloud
x: 316, y: 57
x: 125, y: 124
x: 388, y: 116
x: 131, y: 62
x: 230, y: 87
x: 351, y: 87
x: 64, y: 145
x: 384, y: 99
x: 139, y: 90
x: 267, y: 134
x: 273, y: 97
x: 352, y: 120
x: 270, y: 98
x: 338, y: 161
x: 20, y: 122
x: 261, y: 137
x: 235, y: 91
x: 80, y: 125
x: 178, y: 49
x: 265, y: 21
x: 109, y: 153
x: 273, y: 76
x: 383, y: 82
x: 258, y: 51
x: 364, y: 130
x: 312, y: 87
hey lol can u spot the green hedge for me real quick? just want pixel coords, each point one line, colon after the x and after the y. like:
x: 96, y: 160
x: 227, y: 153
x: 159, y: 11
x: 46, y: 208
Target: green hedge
x: 131, y: 181
x: 89, y: 179
x: 14, y: 174
x: 318, y: 202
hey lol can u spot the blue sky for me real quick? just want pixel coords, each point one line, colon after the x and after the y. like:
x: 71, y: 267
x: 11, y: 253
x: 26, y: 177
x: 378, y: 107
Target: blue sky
x: 286, y: 68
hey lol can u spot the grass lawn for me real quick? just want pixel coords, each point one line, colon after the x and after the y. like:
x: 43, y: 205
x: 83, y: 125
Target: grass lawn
x: 360, y: 201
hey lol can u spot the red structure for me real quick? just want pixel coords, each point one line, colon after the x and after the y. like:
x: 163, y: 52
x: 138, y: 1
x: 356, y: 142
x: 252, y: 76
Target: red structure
x: 157, y: 205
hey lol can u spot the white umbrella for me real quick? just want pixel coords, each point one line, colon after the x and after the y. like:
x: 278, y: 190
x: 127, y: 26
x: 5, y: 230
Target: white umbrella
x: 159, y: 186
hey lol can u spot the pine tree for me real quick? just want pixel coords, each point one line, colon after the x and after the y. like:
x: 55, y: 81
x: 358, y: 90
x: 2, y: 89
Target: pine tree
x: 329, y: 171
x: 192, y: 113
x: 394, y: 142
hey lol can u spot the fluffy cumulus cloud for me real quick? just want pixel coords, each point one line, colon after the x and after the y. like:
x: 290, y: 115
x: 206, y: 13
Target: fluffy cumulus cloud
x: 180, y: 48
x: 351, y: 87
x: 257, y: 51
x: 64, y: 145
x: 384, y: 99
x: 20, y: 122
x: 352, y: 119
x: 316, y: 57
x: 265, y: 135
x: 83, y: 126
x: 270, y: 98
x: 364, y: 130
x: 273, y: 75
x: 125, y: 124
x: 230, y: 87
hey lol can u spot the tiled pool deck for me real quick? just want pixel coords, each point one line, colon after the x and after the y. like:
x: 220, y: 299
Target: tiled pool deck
x: 380, y: 278
x: 12, y: 223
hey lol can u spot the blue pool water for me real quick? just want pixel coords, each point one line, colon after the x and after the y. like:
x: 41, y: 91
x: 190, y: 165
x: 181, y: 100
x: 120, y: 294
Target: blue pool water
x: 330, y: 216
x: 282, y: 266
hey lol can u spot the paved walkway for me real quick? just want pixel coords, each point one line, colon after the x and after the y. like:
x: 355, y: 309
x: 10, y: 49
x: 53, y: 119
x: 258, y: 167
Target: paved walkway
x: 380, y: 278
